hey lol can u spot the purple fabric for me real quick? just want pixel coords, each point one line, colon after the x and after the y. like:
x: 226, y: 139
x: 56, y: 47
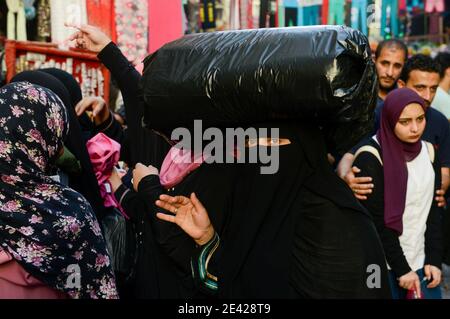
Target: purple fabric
x: 395, y: 154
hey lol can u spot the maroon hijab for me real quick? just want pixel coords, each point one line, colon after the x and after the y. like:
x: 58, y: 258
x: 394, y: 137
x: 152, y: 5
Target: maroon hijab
x: 395, y: 154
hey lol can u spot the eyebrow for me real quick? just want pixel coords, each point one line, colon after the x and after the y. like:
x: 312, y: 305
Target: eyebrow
x: 409, y: 118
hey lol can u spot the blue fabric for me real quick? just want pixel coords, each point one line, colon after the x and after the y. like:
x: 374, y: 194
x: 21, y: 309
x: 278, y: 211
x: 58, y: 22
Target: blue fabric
x: 311, y: 15
x: 294, y: 4
x: 394, y: 25
x: 359, y: 15
x: 400, y: 293
x: 415, y: 3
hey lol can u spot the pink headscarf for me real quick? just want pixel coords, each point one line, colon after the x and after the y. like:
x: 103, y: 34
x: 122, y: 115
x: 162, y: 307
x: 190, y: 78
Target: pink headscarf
x: 177, y: 164
x: 104, y: 153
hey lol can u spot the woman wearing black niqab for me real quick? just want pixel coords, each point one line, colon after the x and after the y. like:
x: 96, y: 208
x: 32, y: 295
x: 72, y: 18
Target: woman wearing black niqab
x: 298, y: 233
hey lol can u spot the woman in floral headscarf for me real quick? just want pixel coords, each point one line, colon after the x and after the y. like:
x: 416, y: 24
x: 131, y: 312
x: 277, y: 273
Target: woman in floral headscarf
x: 49, y: 235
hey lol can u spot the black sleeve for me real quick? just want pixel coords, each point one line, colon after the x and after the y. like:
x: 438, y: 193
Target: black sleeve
x: 361, y: 143
x: 129, y: 200
x: 370, y: 166
x: 112, y: 129
x: 434, y: 232
x: 170, y: 237
x: 204, y: 266
x: 127, y: 78
x: 149, y: 189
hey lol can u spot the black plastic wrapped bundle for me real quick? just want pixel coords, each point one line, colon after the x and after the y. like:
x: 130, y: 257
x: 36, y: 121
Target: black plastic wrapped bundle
x: 321, y: 74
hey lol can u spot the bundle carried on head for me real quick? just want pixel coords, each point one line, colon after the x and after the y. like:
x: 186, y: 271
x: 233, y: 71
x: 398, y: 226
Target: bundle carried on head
x: 321, y: 74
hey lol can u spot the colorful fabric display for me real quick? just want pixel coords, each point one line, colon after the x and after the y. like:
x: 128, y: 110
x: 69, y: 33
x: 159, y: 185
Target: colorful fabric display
x: 389, y: 10
x: 101, y: 13
x: 207, y: 14
x: 132, y: 28
x: 359, y: 15
x: 336, y: 12
x: 325, y: 9
x: 281, y: 13
x: 235, y: 22
x: 43, y: 20
x: 293, y: 13
x: 434, y: 5
x: 311, y: 11
x: 243, y: 4
x: 16, y: 27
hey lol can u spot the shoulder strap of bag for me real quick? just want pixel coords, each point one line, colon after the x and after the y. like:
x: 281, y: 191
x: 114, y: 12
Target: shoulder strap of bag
x: 370, y: 149
x: 431, y: 151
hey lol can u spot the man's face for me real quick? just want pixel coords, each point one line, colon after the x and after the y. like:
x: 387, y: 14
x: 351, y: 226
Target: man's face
x: 424, y: 83
x: 389, y: 66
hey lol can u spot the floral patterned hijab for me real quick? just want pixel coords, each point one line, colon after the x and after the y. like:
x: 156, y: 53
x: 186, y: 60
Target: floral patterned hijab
x: 48, y: 228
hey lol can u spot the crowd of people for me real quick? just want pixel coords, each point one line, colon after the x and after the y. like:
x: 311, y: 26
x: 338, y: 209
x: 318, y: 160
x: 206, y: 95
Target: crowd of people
x: 219, y: 230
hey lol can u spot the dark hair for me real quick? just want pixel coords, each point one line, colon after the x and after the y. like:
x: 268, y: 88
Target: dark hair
x: 419, y: 62
x: 443, y: 60
x: 391, y: 43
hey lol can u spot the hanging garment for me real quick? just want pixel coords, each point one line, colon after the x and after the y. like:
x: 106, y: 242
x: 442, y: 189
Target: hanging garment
x: 243, y: 14
x: 193, y: 16
x: 267, y: 14
x: 402, y: 6
x: 311, y: 11
x: 132, y: 28
x: 432, y: 5
x: 325, y: 9
x: 70, y: 11
x: 434, y: 23
x: 389, y: 10
x: 43, y: 20
x: 374, y: 20
x: 290, y: 17
x: 30, y: 10
x: 359, y: 16
x: 101, y: 14
x: 289, y: 7
x: 16, y: 27
x: 336, y: 12
x: 207, y: 14
x: 281, y: 14
x: 250, y: 22
x: 222, y: 13
x: 256, y: 4
x: 415, y: 4
x: 235, y: 23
